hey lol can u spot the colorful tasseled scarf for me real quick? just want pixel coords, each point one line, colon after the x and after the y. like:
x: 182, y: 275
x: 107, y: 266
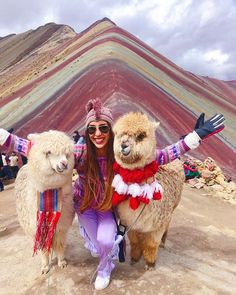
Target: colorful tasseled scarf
x: 48, y: 214
x: 133, y: 184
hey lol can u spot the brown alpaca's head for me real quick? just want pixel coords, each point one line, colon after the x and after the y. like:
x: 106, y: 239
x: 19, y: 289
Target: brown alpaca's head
x: 135, y: 141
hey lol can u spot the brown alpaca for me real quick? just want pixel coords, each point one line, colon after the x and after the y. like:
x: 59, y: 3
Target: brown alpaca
x: 135, y: 134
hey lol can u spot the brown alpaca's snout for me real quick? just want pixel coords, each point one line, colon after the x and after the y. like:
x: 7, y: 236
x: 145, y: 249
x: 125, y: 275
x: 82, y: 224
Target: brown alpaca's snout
x: 125, y: 148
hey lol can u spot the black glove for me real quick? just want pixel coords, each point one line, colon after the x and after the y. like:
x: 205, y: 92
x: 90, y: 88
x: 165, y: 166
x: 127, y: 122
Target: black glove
x: 200, y: 121
x: 210, y: 127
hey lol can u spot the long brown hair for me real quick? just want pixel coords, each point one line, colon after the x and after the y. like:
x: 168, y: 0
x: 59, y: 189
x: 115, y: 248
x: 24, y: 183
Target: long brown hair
x: 95, y: 188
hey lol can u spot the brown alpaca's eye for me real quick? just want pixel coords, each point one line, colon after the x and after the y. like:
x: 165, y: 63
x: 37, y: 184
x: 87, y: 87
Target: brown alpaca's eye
x: 141, y: 136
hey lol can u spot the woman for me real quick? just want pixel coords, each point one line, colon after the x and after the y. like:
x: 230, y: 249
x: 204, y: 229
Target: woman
x: 93, y: 192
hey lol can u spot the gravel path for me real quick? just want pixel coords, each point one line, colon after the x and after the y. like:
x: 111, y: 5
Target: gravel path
x: 199, y: 257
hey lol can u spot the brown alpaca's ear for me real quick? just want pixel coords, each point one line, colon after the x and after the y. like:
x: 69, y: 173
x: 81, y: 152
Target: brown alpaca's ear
x: 155, y: 124
x: 33, y: 137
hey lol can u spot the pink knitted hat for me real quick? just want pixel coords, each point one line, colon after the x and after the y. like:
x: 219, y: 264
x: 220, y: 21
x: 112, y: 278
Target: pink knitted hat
x: 96, y: 112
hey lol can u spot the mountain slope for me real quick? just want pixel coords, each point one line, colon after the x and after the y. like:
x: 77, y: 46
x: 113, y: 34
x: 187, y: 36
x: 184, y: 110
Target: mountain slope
x: 46, y: 85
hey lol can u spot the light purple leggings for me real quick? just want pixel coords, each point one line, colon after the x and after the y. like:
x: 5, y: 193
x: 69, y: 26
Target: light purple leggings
x: 100, y: 227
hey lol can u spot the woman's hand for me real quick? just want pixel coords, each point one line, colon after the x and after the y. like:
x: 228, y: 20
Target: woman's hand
x: 210, y: 127
x: 204, y: 129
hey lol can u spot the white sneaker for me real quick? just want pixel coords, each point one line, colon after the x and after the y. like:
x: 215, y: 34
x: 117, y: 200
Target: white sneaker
x: 101, y: 283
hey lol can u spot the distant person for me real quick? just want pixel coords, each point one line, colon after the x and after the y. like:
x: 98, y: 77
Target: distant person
x: 76, y: 136
x: 6, y: 169
x: 81, y: 139
x: 1, y: 186
x: 24, y: 160
x: 190, y: 169
x: 10, y: 130
x: 14, y: 164
x: 1, y: 174
x: 1, y: 162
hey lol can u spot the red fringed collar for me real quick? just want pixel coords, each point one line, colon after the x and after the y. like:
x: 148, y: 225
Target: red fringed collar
x: 131, y: 184
x: 136, y: 175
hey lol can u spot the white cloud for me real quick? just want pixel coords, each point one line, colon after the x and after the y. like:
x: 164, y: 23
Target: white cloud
x: 216, y: 57
x: 212, y: 63
x: 184, y: 31
x: 50, y: 16
x: 208, y: 11
x: 169, y: 13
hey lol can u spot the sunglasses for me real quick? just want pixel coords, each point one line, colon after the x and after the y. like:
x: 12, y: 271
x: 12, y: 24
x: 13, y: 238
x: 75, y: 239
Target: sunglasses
x: 102, y: 129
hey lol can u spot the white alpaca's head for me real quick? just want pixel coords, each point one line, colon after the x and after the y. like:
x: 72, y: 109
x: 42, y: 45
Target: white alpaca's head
x: 51, y: 158
x: 135, y: 141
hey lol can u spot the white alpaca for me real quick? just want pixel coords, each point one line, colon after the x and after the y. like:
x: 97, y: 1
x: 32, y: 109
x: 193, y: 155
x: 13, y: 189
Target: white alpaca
x: 50, y: 165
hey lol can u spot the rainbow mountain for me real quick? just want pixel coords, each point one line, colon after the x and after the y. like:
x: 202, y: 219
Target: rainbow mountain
x: 47, y: 76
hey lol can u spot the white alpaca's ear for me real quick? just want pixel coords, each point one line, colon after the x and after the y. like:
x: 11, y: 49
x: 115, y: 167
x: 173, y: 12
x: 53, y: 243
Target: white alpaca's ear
x: 155, y: 124
x: 32, y: 137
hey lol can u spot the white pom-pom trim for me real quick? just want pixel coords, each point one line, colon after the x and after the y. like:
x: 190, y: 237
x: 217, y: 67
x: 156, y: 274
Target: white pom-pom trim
x: 134, y: 189
x: 147, y: 191
x: 156, y: 187
x: 122, y: 188
x: 117, y: 178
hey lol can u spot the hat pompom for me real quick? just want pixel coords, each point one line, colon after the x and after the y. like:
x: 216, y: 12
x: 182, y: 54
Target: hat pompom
x: 89, y: 105
x: 97, y: 106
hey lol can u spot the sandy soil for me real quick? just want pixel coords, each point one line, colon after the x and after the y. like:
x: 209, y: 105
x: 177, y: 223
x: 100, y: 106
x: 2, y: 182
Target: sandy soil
x: 199, y: 257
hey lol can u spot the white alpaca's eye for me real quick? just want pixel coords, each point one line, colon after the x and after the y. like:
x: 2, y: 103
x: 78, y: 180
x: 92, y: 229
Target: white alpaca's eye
x: 48, y: 153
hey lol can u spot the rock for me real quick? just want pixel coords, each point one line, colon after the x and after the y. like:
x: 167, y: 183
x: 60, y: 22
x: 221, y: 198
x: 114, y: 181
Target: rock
x: 217, y: 187
x: 231, y: 186
x: 213, y: 180
x: 206, y: 174
x: 221, y: 180
x: 199, y: 185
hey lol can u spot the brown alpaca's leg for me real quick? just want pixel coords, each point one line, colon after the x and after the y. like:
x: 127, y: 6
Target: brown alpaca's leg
x: 135, y: 247
x: 163, y: 239
x: 150, y: 245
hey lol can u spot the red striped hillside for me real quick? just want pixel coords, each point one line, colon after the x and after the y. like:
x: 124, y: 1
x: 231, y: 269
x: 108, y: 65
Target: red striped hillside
x: 47, y: 76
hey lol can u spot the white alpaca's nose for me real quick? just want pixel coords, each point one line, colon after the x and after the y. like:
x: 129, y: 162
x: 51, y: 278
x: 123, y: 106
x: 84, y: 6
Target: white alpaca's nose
x: 64, y: 164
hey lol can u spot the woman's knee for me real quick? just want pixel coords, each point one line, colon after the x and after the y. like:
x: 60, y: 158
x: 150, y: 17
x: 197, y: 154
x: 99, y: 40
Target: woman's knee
x: 106, y: 235
x: 104, y: 244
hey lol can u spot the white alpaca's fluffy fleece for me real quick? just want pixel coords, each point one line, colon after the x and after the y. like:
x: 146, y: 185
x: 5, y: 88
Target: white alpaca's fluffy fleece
x: 50, y: 165
x: 135, y: 147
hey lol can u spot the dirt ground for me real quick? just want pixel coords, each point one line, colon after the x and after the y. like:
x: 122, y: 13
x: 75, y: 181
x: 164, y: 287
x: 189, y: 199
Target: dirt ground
x: 199, y: 257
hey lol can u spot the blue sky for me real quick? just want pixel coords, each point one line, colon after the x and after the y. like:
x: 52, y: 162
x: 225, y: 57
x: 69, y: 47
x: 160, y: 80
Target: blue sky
x: 197, y: 35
